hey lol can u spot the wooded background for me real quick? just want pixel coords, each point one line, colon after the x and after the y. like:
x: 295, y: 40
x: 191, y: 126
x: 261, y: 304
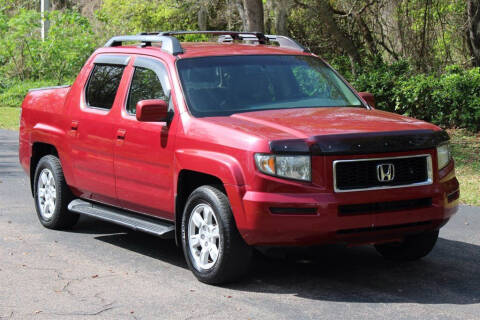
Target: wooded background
x: 418, y: 57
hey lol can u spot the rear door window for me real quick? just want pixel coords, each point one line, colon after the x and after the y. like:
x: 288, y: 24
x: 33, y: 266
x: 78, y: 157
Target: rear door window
x: 103, y: 85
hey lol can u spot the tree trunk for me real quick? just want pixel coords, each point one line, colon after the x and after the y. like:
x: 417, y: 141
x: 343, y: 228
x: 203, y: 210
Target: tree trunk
x: 325, y: 15
x: 269, y: 20
x: 202, y: 17
x: 281, y: 16
x: 61, y: 4
x: 241, y: 13
x: 253, y: 11
x: 367, y: 34
x: 473, y: 32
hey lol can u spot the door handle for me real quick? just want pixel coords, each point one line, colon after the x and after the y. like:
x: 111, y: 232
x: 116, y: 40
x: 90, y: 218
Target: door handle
x: 121, y: 134
x: 74, y: 125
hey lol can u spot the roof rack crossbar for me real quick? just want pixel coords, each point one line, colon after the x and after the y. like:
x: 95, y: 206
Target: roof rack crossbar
x: 172, y: 45
x: 169, y: 44
x: 237, y: 35
x: 283, y: 41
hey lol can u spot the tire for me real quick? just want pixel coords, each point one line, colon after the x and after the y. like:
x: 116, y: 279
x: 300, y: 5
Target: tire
x: 233, y: 255
x: 412, y: 248
x: 51, y: 204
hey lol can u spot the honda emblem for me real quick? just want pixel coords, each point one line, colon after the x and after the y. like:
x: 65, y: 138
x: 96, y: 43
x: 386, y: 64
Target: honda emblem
x: 385, y: 172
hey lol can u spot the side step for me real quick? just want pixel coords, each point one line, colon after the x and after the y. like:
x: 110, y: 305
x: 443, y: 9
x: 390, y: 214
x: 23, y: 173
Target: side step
x: 124, y: 218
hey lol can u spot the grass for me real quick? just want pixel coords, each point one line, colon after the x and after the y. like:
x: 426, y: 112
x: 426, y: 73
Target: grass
x: 466, y: 152
x: 12, y: 93
x: 9, y: 117
x: 465, y: 149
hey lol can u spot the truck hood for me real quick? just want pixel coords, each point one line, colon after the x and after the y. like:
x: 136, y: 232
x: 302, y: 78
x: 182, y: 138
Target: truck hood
x: 307, y: 122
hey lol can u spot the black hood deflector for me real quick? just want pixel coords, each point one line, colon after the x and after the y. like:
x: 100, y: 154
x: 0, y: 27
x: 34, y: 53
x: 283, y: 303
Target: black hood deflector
x: 361, y: 143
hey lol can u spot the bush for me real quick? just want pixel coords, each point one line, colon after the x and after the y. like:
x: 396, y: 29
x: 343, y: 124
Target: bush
x: 381, y: 80
x: 24, y: 55
x: 12, y: 93
x: 449, y: 99
x: 126, y: 16
x: 69, y: 43
x: 458, y: 99
x: 19, y: 44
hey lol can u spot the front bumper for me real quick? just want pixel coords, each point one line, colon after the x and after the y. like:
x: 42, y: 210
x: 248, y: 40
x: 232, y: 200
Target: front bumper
x: 264, y: 218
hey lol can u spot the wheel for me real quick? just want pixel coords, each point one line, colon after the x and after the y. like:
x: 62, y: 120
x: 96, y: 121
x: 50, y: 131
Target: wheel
x: 52, y: 195
x: 214, y: 250
x: 412, y: 248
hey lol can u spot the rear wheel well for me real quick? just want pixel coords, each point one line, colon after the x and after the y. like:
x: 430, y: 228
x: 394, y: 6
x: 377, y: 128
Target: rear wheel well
x: 39, y: 150
x: 187, y: 182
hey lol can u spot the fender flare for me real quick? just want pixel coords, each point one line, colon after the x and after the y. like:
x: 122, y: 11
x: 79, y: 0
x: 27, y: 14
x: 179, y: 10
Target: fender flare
x: 54, y: 136
x: 48, y: 134
x: 222, y: 166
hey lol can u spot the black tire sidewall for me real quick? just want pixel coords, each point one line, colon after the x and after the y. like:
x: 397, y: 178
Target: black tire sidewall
x: 63, y: 195
x: 200, y: 197
x: 234, y: 255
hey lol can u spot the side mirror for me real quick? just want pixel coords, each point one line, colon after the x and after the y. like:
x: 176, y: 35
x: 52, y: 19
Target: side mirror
x: 369, y: 98
x: 154, y: 110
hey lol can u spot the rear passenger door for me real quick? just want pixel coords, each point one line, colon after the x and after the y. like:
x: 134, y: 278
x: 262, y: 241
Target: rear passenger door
x: 144, y: 150
x: 93, y: 128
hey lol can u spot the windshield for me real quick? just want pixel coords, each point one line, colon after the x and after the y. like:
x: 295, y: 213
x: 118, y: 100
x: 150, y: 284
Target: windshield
x: 216, y: 86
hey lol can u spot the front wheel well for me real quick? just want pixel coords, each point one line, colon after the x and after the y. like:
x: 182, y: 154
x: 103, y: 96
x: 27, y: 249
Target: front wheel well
x: 188, y: 181
x: 39, y: 150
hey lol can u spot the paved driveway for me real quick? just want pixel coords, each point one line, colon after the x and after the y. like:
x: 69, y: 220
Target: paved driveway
x: 103, y: 271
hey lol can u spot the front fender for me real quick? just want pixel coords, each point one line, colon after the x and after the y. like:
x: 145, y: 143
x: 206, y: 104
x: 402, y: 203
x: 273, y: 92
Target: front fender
x: 222, y: 166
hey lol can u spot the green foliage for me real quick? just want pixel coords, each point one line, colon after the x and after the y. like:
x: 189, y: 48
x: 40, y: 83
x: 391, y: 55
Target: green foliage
x: 64, y: 59
x: 449, y: 99
x: 19, y: 44
x: 127, y: 17
x: 382, y: 81
x: 24, y: 55
x: 458, y: 98
x: 424, y: 87
x: 13, y: 92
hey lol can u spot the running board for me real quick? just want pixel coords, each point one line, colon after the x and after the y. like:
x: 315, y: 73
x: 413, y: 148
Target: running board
x: 124, y: 218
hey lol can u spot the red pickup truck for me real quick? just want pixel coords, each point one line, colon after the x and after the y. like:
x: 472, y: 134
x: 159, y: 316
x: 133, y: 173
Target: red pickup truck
x: 225, y: 146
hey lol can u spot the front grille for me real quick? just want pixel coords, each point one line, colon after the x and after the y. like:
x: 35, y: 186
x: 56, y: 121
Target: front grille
x: 361, y: 174
x: 378, y: 207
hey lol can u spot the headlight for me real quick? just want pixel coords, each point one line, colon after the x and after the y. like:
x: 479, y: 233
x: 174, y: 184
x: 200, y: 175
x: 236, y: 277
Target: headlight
x: 291, y: 167
x: 443, y: 155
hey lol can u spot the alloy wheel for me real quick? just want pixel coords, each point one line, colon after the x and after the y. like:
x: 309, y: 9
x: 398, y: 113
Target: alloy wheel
x: 203, y: 236
x: 46, y: 194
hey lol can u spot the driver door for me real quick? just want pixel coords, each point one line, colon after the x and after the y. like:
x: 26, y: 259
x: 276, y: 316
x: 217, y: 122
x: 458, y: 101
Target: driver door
x: 143, y: 157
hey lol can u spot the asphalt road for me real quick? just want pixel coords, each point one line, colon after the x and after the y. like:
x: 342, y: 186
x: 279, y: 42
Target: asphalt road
x: 103, y: 271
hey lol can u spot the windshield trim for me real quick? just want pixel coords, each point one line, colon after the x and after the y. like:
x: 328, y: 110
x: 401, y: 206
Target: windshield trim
x: 350, y: 87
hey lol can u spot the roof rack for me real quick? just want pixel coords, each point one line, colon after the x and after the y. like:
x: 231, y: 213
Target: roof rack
x: 235, y: 35
x: 283, y: 41
x: 169, y: 44
x: 172, y: 45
